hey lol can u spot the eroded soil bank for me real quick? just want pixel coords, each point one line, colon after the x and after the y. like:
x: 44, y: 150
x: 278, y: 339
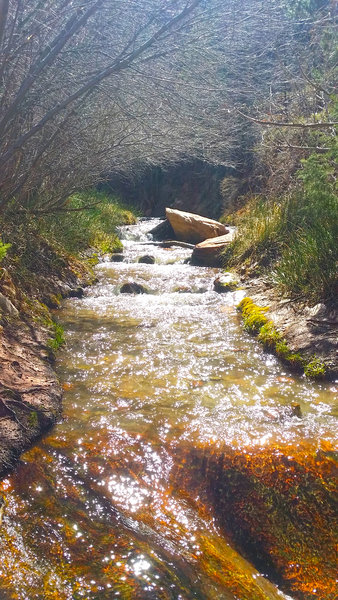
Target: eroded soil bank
x: 30, y: 393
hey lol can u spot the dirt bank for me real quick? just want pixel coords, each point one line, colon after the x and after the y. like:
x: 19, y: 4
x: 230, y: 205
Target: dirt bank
x: 30, y: 394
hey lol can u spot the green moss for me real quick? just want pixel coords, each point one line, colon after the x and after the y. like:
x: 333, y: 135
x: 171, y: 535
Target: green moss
x: 253, y: 315
x: 33, y: 420
x: 256, y: 322
x: 315, y: 368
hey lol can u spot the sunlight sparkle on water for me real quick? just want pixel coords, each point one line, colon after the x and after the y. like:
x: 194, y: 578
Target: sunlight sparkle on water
x: 166, y: 397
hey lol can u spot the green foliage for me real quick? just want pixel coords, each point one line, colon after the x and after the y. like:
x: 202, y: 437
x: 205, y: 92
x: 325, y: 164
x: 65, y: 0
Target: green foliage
x: 3, y: 250
x: 94, y: 226
x: 315, y: 369
x: 295, y: 236
x: 58, y: 339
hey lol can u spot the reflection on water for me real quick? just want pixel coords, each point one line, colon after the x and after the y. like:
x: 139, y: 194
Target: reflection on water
x: 111, y: 504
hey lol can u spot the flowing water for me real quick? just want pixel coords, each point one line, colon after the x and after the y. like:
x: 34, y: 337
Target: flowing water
x: 102, y: 507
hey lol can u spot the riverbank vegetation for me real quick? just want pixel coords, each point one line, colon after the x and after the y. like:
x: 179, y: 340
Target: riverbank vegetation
x: 42, y: 253
x: 292, y: 239
x: 285, y: 205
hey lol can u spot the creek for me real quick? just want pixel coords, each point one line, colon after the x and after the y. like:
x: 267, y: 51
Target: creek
x: 121, y: 499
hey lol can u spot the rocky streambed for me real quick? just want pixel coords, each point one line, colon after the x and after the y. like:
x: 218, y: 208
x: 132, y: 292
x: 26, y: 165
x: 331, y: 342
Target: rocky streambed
x: 189, y: 462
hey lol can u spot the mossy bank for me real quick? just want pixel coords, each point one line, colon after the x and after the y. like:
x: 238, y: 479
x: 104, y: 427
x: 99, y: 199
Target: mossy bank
x: 301, y: 336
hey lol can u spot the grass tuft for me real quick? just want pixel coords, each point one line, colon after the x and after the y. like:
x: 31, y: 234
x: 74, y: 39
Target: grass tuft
x: 58, y: 338
x: 293, y: 239
x: 94, y: 227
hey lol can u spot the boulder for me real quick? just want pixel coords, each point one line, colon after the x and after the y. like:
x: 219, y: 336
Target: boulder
x: 208, y: 253
x: 227, y: 282
x: 163, y: 231
x: 192, y: 228
x: 133, y: 288
x: 147, y: 259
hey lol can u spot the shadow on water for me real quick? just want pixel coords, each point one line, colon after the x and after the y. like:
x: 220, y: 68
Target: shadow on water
x: 180, y: 469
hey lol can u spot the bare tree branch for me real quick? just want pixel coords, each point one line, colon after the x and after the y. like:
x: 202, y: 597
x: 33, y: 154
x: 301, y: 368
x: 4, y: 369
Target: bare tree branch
x: 281, y: 124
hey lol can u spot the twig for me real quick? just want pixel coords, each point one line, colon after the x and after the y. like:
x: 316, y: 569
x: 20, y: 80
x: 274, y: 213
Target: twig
x: 283, y: 124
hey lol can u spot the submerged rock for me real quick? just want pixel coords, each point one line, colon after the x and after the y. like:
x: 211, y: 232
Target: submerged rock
x: 208, y: 253
x: 147, y: 259
x: 276, y: 504
x: 133, y: 288
x: 227, y: 282
x: 77, y: 292
x: 117, y: 258
x: 192, y: 228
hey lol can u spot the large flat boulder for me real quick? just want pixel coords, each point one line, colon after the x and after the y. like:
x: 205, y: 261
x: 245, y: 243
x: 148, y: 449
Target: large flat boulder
x: 208, y: 253
x: 192, y: 228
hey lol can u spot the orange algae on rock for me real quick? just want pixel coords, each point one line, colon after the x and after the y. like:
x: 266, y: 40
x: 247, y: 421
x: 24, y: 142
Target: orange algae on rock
x: 277, y: 507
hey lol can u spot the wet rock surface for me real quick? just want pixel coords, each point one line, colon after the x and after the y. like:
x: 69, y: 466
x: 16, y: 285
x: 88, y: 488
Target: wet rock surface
x: 147, y: 259
x: 162, y: 231
x: 277, y: 505
x: 117, y: 258
x: 227, y: 282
